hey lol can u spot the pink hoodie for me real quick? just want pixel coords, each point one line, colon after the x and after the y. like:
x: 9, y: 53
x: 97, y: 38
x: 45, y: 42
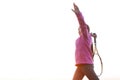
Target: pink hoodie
x: 83, y: 52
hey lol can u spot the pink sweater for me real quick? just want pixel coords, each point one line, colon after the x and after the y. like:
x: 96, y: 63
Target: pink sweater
x: 83, y: 52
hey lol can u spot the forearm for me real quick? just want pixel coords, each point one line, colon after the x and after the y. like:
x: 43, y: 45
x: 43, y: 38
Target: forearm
x: 80, y: 18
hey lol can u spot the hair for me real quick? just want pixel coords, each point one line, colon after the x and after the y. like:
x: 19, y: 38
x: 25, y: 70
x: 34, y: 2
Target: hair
x: 88, y: 28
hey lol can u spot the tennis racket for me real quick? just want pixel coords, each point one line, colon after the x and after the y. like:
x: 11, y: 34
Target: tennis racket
x: 98, y: 64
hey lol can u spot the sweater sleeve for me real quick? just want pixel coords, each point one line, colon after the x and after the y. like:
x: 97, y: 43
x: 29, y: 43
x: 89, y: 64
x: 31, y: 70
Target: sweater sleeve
x: 82, y: 24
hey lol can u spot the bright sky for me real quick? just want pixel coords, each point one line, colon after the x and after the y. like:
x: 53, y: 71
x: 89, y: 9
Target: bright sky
x: 37, y: 37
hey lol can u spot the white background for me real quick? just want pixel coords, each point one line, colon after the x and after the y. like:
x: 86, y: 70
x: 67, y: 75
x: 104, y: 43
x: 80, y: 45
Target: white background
x: 37, y: 37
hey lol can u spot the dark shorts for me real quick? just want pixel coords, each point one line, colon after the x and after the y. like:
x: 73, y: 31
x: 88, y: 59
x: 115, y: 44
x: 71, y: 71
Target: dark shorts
x: 85, y: 70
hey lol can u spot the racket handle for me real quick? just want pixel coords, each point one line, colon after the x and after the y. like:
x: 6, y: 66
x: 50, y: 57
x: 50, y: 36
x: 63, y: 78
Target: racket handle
x: 95, y: 36
x: 95, y: 40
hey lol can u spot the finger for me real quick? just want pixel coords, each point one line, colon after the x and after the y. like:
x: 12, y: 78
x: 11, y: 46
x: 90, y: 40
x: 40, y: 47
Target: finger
x: 75, y: 6
x: 73, y: 10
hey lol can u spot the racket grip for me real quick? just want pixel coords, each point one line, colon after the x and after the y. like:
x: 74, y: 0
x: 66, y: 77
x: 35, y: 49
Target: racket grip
x: 94, y: 39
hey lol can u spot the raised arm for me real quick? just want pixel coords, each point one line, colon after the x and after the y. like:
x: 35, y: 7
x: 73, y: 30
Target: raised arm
x: 81, y: 21
x: 79, y: 15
